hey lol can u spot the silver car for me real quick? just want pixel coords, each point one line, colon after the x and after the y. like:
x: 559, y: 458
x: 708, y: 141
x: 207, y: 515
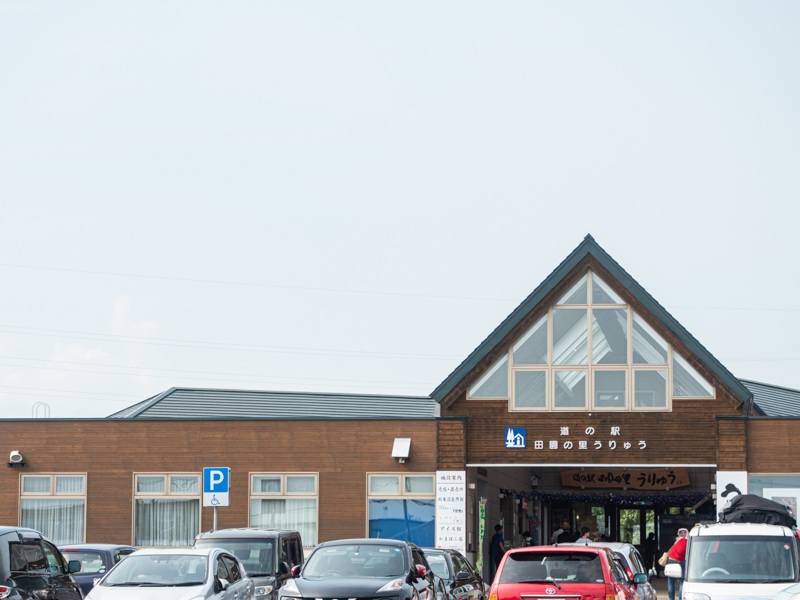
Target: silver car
x: 631, y: 562
x: 156, y: 574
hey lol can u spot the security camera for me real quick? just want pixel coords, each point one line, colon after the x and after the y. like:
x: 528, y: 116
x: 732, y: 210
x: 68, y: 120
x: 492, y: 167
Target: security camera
x: 15, y: 457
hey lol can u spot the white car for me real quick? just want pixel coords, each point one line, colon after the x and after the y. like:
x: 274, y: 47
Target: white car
x: 176, y: 574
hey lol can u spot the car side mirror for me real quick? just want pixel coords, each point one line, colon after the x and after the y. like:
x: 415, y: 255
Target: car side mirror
x: 640, y: 578
x: 296, y: 570
x: 283, y: 568
x: 220, y: 585
x: 74, y: 566
x: 462, y: 576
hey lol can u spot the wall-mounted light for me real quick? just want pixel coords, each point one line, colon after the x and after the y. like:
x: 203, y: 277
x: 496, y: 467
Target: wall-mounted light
x: 15, y: 459
x: 401, y: 449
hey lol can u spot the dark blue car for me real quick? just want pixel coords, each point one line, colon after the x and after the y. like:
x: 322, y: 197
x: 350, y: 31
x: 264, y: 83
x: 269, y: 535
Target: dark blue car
x: 95, y: 560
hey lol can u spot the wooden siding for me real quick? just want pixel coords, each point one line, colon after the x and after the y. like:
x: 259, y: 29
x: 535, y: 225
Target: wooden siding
x: 732, y: 444
x: 111, y: 451
x: 452, y: 445
x: 773, y: 446
x: 687, y: 435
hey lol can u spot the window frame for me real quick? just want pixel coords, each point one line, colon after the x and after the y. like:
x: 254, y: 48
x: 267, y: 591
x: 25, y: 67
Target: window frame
x: 166, y: 494
x: 54, y: 494
x: 589, y: 366
x: 284, y: 494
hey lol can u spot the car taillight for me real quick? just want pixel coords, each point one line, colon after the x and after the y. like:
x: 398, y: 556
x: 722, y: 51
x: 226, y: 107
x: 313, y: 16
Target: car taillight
x: 5, y: 591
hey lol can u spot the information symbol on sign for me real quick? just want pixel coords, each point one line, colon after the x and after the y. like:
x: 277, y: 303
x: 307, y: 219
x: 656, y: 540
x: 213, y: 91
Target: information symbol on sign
x: 515, y: 437
x: 216, y: 486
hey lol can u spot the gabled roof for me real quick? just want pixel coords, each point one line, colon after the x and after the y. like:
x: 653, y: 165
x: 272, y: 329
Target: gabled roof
x: 190, y: 403
x: 774, y: 401
x: 589, y: 248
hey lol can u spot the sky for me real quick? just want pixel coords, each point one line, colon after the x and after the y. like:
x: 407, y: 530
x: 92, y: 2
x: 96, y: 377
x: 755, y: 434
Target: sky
x: 350, y: 196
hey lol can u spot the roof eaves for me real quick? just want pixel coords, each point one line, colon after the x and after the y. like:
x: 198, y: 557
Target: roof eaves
x: 590, y: 247
x: 513, y: 319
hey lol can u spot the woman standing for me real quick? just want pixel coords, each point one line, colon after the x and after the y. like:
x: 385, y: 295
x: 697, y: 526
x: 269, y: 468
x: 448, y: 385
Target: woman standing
x: 677, y: 554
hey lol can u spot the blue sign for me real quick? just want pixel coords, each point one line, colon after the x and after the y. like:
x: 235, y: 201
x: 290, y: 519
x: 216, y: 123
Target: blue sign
x: 216, y: 484
x: 515, y: 437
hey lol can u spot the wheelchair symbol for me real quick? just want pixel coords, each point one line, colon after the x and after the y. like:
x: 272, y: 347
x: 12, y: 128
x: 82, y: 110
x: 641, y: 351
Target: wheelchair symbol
x: 214, y: 500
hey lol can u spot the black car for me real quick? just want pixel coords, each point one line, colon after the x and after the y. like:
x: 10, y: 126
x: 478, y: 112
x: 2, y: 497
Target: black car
x: 268, y: 555
x: 95, y: 560
x: 364, y: 568
x: 459, y: 576
x: 32, y: 567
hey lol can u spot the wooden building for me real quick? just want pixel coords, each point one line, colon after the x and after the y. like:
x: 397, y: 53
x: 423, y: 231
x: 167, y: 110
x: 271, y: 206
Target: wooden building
x: 588, y: 404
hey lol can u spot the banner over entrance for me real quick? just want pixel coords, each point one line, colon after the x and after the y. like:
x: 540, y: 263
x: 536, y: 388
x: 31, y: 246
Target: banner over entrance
x: 627, y: 479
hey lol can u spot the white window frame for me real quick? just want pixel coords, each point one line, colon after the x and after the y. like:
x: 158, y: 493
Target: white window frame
x: 54, y: 494
x: 401, y: 495
x: 167, y: 493
x: 589, y: 367
x: 284, y: 494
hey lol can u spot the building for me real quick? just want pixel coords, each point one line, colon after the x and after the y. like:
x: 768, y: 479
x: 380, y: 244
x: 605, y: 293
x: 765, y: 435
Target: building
x: 589, y: 403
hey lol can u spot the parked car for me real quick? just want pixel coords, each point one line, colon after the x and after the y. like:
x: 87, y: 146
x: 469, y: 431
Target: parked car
x: 32, y: 567
x: 632, y: 562
x: 588, y: 572
x: 95, y: 560
x: 152, y: 574
x: 459, y: 576
x: 268, y: 555
x: 363, y: 568
x: 738, y: 560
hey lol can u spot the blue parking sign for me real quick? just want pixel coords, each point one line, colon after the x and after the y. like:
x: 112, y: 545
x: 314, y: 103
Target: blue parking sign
x: 216, y: 486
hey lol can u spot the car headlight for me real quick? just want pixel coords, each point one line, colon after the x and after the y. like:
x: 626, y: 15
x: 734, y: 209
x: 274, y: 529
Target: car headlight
x: 392, y: 585
x: 290, y: 589
x: 695, y: 596
x: 263, y: 590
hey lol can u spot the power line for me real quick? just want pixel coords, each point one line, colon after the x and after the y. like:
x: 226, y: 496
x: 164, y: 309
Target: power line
x: 209, y: 345
x: 253, y: 284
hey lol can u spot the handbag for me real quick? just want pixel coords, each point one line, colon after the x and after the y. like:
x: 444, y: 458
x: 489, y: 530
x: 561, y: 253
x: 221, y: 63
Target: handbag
x: 664, y: 558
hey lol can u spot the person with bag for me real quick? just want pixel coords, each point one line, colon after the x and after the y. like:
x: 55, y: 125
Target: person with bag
x: 676, y: 554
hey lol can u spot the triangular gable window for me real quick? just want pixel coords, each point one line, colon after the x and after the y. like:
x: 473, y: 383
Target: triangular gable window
x: 687, y: 382
x: 591, y: 351
x: 494, y: 384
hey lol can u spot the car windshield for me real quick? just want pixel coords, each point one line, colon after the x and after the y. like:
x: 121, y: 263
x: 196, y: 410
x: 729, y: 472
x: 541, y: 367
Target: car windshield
x: 438, y: 563
x: 538, y: 567
x: 741, y: 559
x: 257, y: 555
x: 91, y: 562
x: 358, y: 560
x: 159, y: 570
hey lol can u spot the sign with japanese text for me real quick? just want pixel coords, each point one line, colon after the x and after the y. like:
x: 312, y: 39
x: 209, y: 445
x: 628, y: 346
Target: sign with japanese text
x: 586, y: 439
x: 451, y: 513
x: 627, y: 479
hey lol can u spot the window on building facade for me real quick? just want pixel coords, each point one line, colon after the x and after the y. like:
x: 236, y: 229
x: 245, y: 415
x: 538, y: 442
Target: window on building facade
x: 402, y: 507
x: 286, y: 501
x: 591, y: 351
x: 55, y: 504
x: 167, y: 509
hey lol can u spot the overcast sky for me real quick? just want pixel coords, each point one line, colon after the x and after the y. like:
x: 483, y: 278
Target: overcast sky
x: 350, y: 196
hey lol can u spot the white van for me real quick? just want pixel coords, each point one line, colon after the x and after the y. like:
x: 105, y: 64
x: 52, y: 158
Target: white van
x: 735, y: 561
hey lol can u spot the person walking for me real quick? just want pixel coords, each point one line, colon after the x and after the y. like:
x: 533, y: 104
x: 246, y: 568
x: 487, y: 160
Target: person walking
x: 496, y: 550
x: 650, y: 552
x: 677, y: 555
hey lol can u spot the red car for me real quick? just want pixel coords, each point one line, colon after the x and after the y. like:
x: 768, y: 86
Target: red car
x: 589, y: 573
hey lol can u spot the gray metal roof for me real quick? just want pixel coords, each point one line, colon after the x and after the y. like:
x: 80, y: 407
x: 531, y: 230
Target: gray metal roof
x: 191, y: 403
x: 774, y: 401
x: 588, y: 247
